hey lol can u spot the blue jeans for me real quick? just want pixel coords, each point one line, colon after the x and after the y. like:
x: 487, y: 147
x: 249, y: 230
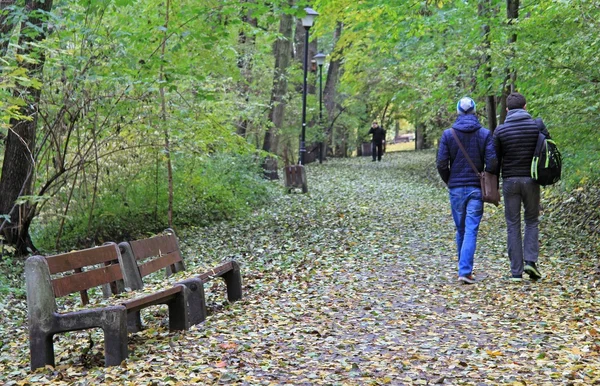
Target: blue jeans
x: 521, y: 192
x: 467, y: 210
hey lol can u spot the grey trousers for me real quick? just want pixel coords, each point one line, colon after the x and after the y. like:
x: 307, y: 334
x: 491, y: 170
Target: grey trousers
x: 519, y: 191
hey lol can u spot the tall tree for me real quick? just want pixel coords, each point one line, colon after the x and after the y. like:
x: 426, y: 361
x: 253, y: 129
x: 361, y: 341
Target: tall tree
x: 246, y: 43
x: 299, y: 39
x: 510, y: 81
x: 18, y: 165
x: 163, y: 115
x: 6, y: 24
x: 331, y: 84
x: 485, y: 12
x: 283, y: 55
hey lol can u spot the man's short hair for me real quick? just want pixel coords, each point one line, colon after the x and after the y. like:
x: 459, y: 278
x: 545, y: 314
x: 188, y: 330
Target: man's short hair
x: 515, y: 101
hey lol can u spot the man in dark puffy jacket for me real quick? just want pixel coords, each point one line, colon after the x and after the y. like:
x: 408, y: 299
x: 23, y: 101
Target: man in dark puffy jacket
x: 515, y: 142
x: 377, y: 142
x: 463, y: 182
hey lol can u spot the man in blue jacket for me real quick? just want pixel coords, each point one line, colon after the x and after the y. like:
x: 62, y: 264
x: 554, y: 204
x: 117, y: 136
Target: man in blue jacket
x: 463, y: 182
x: 515, y: 142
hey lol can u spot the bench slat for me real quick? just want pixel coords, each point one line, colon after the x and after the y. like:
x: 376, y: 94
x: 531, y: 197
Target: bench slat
x: 153, y: 246
x: 217, y: 271
x: 155, y: 298
x: 159, y: 263
x: 89, y: 279
x: 79, y: 259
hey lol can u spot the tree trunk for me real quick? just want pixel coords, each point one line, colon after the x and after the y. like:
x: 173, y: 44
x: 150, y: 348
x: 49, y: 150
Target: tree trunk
x: 6, y: 25
x: 484, y: 10
x: 19, y: 161
x: 420, y: 137
x: 244, y: 62
x: 512, y: 13
x: 163, y: 115
x: 329, y: 92
x: 283, y: 55
x: 299, y: 39
x: 383, y: 116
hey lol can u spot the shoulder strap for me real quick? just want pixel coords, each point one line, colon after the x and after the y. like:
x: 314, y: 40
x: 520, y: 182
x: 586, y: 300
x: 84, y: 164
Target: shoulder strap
x: 460, y: 145
x: 542, y: 127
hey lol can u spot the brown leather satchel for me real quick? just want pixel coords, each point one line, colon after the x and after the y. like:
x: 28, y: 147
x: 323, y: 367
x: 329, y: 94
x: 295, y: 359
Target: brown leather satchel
x: 489, y: 182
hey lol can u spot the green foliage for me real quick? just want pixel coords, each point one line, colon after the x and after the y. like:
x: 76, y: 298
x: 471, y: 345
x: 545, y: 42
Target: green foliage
x: 102, y: 117
x: 422, y: 57
x: 222, y: 186
x: 11, y: 273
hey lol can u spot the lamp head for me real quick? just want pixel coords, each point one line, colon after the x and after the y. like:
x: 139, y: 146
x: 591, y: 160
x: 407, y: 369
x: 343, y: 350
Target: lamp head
x: 309, y: 19
x: 320, y: 58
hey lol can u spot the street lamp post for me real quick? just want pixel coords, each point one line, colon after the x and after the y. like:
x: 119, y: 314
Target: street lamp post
x: 307, y: 22
x: 320, y: 59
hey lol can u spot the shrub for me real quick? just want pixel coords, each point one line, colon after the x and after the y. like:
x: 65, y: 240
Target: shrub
x: 223, y: 186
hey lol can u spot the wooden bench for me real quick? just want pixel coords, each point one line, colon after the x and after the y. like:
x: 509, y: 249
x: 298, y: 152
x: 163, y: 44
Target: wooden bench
x: 295, y: 177
x: 52, y: 277
x: 162, y: 252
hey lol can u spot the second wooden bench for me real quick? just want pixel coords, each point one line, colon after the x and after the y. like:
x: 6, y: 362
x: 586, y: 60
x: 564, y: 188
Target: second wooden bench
x: 162, y: 252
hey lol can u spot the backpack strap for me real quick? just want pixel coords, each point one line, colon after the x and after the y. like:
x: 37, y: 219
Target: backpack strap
x: 539, y: 148
x: 462, y: 148
x: 542, y: 127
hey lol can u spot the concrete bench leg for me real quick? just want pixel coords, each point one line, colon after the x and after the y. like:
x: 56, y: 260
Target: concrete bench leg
x: 178, y: 312
x: 233, y: 280
x: 134, y: 322
x: 112, y: 320
x: 41, y: 348
x: 196, y: 300
x: 115, y: 340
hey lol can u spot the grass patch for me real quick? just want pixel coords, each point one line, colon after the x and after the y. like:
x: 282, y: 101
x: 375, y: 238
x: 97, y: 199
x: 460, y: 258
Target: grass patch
x: 400, y: 146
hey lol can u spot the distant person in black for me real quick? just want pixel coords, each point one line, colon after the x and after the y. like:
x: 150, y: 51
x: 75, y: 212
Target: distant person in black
x: 377, y: 141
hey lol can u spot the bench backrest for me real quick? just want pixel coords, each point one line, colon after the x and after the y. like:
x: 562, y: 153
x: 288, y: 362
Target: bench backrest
x: 154, y: 254
x: 82, y: 270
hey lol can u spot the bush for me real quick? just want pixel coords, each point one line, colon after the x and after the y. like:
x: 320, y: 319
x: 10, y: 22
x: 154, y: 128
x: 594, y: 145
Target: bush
x: 223, y: 186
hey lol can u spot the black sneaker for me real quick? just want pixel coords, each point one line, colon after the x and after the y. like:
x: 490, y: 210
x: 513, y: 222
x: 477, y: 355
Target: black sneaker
x: 532, y: 271
x: 516, y: 278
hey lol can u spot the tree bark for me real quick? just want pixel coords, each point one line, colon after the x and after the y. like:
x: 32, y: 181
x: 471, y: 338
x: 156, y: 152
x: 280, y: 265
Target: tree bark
x: 283, y: 56
x: 299, y: 38
x: 331, y: 83
x: 510, y: 82
x: 19, y: 161
x: 420, y: 136
x: 163, y: 115
x: 484, y: 10
x: 244, y: 63
x: 383, y: 116
x: 6, y: 25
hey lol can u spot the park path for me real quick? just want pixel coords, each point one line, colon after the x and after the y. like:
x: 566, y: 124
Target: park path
x: 355, y: 284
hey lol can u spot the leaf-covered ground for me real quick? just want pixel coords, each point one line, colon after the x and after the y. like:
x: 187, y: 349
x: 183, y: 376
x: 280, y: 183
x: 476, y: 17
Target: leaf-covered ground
x: 355, y: 284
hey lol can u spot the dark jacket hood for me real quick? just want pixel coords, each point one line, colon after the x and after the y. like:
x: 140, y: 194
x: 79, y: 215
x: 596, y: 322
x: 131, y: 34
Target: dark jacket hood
x: 517, y: 115
x: 466, y: 123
